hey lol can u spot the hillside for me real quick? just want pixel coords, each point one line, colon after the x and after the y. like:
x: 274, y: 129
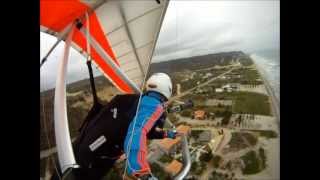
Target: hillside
x: 199, y: 62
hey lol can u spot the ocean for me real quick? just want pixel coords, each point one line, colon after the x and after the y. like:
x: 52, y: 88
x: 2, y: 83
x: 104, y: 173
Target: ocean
x: 268, y: 63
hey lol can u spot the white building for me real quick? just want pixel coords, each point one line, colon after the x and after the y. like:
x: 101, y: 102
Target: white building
x: 218, y: 90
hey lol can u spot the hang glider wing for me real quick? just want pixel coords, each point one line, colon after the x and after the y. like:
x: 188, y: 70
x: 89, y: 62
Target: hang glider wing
x: 122, y: 34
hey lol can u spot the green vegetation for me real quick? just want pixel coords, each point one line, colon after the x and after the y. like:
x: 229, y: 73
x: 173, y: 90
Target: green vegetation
x: 159, y: 172
x: 262, y: 157
x: 251, y: 103
x: 226, y: 118
x: 246, y: 61
x: 266, y: 133
x: 250, y: 138
x: 252, y: 163
x: 249, y: 76
x: 206, y: 157
x: 218, y: 176
x: 173, y: 118
x: 165, y: 159
x: 198, y: 167
x: 238, y: 142
x: 216, y: 160
x: 195, y: 133
x: 186, y: 113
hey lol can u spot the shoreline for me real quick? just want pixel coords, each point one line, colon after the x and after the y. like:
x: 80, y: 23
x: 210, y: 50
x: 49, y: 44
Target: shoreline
x: 274, y: 102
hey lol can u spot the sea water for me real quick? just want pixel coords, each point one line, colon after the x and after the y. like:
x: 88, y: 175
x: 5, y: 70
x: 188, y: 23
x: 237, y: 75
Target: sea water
x: 268, y: 63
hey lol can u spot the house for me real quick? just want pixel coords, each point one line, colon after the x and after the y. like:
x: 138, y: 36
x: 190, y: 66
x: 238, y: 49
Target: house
x: 199, y: 114
x: 205, y: 136
x: 170, y: 146
x: 184, y: 129
x: 218, y: 90
x: 207, y: 75
x: 174, y: 167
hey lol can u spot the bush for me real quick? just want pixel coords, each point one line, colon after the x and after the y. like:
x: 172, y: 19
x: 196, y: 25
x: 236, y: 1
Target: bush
x: 186, y: 113
x: 173, y: 118
x: 236, y: 141
x: 206, y: 157
x: 195, y: 133
x: 226, y: 118
x: 216, y: 160
x: 250, y: 138
x: 165, y: 159
x: 262, y: 157
x: 251, y: 162
x: 158, y: 172
x: 268, y: 134
x: 198, y: 167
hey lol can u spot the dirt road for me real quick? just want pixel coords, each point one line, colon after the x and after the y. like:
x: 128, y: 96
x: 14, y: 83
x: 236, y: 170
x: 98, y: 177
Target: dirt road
x: 200, y: 85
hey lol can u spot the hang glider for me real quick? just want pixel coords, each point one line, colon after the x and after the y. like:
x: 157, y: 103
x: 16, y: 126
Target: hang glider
x: 122, y: 34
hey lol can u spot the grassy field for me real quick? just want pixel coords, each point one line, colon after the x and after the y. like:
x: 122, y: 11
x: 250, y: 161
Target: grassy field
x: 266, y: 133
x: 236, y: 142
x: 251, y: 103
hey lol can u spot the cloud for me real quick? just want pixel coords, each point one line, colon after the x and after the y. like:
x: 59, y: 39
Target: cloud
x: 201, y: 27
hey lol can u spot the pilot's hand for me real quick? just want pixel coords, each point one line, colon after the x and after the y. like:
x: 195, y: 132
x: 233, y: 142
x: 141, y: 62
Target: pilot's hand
x: 171, y: 134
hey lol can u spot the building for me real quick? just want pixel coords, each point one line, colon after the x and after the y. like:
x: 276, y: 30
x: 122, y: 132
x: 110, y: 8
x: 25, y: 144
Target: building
x: 207, y: 75
x: 169, y: 146
x: 199, y: 114
x: 218, y: 90
x: 205, y: 136
x: 184, y: 129
x: 174, y: 167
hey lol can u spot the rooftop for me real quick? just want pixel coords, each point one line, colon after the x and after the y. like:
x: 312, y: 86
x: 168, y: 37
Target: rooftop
x: 199, y: 114
x: 174, y: 167
x: 183, y: 129
x: 168, y: 143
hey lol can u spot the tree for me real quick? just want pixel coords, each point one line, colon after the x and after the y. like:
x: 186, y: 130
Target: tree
x: 186, y: 113
x: 206, y: 157
x: 226, y: 118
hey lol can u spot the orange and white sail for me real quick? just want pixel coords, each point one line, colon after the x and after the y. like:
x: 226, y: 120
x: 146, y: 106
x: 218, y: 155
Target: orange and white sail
x: 122, y: 34
x: 119, y: 36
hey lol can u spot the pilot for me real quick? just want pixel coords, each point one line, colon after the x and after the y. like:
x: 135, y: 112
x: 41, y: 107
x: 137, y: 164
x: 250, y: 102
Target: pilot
x: 150, y: 116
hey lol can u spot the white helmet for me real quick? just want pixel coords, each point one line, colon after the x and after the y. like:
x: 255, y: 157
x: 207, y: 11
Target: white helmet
x: 160, y: 82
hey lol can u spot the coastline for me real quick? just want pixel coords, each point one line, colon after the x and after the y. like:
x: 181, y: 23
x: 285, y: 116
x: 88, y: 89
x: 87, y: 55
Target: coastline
x: 274, y: 103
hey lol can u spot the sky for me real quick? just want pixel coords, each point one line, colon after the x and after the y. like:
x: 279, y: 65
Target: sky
x: 192, y: 28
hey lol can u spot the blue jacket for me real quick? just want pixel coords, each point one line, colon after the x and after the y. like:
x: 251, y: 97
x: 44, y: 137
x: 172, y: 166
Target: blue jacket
x: 151, y: 114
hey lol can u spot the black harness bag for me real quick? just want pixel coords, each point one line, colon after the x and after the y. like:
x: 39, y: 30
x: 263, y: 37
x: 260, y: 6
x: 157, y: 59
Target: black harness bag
x: 102, y: 137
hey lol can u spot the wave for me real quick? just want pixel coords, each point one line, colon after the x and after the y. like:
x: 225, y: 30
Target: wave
x: 269, y: 68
